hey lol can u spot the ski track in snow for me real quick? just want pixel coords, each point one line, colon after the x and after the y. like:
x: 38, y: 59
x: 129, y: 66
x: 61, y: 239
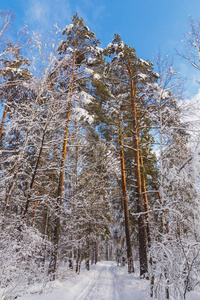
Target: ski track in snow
x: 102, y: 286
x: 105, y: 281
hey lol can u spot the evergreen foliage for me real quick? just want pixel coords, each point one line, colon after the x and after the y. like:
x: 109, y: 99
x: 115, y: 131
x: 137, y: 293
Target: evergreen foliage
x: 96, y: 162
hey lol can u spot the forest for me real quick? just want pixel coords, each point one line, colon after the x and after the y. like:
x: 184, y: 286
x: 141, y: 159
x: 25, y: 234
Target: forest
x: 99, y: 160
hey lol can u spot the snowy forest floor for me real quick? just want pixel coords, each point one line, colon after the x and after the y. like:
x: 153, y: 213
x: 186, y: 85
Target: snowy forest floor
x: 105, y: 281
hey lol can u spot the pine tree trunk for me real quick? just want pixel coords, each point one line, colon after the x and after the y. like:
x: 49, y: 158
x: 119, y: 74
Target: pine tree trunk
x: 107, y: 251
x: 78, y: 259
x: 141, y: 222
x: 125, y: 200
x: 146, y: 205
x: 96, y: 252
x: 92, y: 255
x: 56, y: 233
x: 87, y: 258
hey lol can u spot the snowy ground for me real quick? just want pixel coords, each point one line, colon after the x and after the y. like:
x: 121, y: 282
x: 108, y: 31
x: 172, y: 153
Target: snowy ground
x: 105, y: 281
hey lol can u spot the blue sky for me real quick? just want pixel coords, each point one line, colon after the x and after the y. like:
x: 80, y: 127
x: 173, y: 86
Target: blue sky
x: 147, y: 25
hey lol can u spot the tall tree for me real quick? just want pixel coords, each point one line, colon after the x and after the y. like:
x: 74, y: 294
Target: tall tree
x: 80, y: 50
x: 133, y: 73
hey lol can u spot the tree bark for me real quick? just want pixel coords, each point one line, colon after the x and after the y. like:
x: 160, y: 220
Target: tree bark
x: 56, y: 233
x: 146, y: 205
x: 125, y: 200
x: 87, y: 258
x: 141, y: 222
x: 96, y: 252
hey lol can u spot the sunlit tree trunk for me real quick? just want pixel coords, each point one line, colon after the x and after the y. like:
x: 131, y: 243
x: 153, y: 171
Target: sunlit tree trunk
x: 125, y: 199
x: 56, y: 233
x: 141, y: 222
x: 146, y: 205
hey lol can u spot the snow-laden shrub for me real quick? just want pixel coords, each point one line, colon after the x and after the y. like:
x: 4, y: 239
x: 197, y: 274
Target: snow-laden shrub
x: 22, y: 260
x: 175, y: 268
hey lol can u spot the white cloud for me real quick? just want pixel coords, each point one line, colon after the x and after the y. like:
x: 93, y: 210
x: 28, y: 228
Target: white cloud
x: 43, y: 14
x: 38, y: 12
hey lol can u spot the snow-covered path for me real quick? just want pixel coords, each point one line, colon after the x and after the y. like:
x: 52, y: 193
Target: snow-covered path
x: 101, y: 286
x: 105, y: 281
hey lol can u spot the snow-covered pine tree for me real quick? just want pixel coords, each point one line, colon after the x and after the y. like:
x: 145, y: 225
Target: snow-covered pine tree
x: 132, y: 74
x: 80, y: 48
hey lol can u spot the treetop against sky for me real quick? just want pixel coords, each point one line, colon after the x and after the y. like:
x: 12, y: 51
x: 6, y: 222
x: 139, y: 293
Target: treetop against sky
x: 147, y: 25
